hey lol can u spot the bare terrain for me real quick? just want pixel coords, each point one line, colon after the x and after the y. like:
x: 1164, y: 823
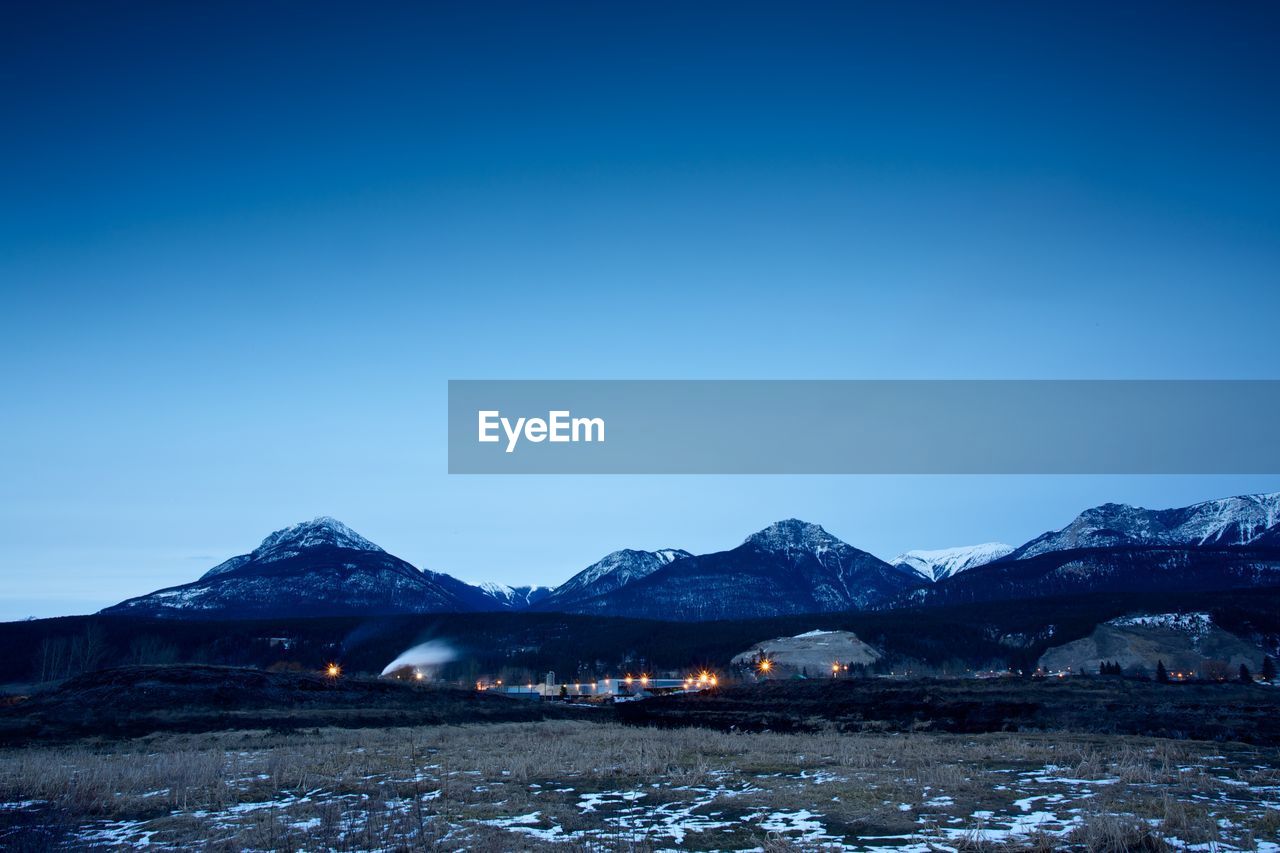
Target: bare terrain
x: 138, y: 700
x: 224, y: 759
x: 601, y: 786
x: 1100, y: 706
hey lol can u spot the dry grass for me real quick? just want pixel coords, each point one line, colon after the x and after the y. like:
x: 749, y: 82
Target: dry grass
x: 597, y: 786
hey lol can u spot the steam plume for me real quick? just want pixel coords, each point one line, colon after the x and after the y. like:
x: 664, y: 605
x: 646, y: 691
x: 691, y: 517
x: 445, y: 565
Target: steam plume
x: 430, y: 653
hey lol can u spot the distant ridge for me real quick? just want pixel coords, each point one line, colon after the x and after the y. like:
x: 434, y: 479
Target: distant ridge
x: 323, y: 567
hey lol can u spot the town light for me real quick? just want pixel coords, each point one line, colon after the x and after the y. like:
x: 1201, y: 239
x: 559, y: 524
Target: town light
x: 417, y: 674
x: 766, y: 665
x: 644, y: 680
x: 333, y: 670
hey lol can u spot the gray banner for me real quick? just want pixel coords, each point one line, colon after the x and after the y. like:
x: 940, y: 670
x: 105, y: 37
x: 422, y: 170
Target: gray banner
x: 864, y: 427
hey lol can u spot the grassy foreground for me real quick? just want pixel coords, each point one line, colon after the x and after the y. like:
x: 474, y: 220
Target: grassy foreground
x: 603, y: 786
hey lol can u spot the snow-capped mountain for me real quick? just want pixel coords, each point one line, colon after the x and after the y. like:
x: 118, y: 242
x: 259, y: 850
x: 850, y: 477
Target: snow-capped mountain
x: 291, y: 541
x: 1243, y: 520
x: 1220, y: 544
x: 323, y: 567
x: 515, y: 597
x: 317, y: 568
x: 946, y: 562
x: 607, y: 574
x: 789, y: 567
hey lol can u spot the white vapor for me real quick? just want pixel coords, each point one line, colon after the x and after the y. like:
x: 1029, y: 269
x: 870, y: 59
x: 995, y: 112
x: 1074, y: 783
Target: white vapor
x: 430, y: 653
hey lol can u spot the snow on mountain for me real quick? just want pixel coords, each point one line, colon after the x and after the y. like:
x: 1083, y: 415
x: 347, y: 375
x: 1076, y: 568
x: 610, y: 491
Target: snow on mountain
x: 623, y: 566
x: 227, y: 566
x: 793, y: 536
x: 945, y: 562
x: 323, y: 530
x: 318, y: 567
x: 1234, y: 521
x: 1194, y: 625
x: 515, y: 597
x: 610, y: 573
x: 791, y: 566
x: 291, y: 541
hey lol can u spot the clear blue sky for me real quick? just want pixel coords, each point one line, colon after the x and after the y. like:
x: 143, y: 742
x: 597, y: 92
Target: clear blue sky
x: 243, y: 247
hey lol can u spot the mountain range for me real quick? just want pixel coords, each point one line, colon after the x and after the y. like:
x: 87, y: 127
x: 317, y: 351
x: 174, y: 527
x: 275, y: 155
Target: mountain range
x: 322, y: 568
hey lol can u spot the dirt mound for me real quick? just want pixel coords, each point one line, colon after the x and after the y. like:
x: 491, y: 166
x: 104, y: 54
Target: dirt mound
x: 811, y: 653
x: 140, y: 699
x: 1184, y: 643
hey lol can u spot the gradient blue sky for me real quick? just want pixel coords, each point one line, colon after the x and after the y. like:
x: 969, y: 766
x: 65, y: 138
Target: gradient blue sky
x: 243, y: 247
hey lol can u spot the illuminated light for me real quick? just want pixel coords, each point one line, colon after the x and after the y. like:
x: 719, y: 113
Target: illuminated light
x: 644, y: 679
x: 713, y: 681
x: 499, y: 681
x: 333, y: 670
x: 766, y: 665
x: 628, y: 680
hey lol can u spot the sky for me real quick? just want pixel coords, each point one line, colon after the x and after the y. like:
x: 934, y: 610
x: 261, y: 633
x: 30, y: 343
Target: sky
x: 243, y: 247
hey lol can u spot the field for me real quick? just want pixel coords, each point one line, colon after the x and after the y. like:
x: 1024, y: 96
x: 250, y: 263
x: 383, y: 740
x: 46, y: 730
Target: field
x: 138, y: 700
x: 563, y: 784
x: 1101, y: 706
x: 229, y: 759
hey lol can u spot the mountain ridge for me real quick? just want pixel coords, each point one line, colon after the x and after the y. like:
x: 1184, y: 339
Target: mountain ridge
x: 942, y: 563
x: 324, y: 567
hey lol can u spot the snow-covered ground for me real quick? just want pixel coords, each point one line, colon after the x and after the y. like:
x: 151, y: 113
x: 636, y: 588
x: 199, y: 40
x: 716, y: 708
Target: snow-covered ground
x: 601, y: 786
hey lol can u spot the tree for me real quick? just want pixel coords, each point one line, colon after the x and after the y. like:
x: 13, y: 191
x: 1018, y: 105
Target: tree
x: 1268, y: 669
x: 1246, y: 677
x: 1162, y: 674
x: 149, y: 649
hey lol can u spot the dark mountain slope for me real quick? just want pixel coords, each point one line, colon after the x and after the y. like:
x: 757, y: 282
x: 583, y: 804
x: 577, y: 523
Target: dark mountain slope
x: 789, y: 567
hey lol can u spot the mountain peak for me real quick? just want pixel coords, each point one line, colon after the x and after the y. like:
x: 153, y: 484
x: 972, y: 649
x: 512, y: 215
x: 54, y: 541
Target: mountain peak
x: 942, y: 563
x: 1235, y: 521
x: 611, y: 572
x: 792, y: 534
x: 319, y: 532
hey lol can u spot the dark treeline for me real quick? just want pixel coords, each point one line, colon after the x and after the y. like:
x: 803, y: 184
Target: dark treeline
x: 932, y: 641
